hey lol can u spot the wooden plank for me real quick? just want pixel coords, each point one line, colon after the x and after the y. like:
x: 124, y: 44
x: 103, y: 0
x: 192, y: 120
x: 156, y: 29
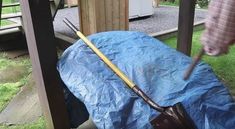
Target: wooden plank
x: 100, y: 9
x: 103, y: 15
x: 122, y: 8
x: 124, y: 14
x: 71, y: 3
x: 116, y: 14
x: 92, y: 15
x: 163, y: 35
x: 41, y: 42
x: 185, y: 26
x: 6, y: 27
x: 0, y: 12
x: 127, y: 15
x: 7, y: 35
x: 108, y: 14
x: 84, y: 17
x: 11, y: 15
x: 64, y: 41
x: 11, y: 5
x: 89, y: 14
x: 12, y: 41
x: 80, y: 15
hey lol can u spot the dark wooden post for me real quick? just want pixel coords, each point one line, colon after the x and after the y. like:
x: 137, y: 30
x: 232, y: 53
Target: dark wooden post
x: 41, y: 42
x: 0, y: 12
x: 185, y: 26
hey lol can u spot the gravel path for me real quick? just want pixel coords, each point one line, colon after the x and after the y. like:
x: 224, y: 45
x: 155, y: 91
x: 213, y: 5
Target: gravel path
x: 164, y: 18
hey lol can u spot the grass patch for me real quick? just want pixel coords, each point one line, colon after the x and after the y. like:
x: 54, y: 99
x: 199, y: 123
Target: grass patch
x: 176, y: 3
x: 13, y: 9
x: 5, y: 22
x: 9, y: 1
x: 223, y: 66
x: 39, y: 124
x: 8, y: 10
x: 5, y: 62
x: 9, y: 90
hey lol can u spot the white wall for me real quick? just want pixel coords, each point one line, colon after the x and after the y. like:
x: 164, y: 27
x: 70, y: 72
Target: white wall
x: 140, y: 8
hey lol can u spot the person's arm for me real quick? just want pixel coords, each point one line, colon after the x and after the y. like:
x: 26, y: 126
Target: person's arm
x: 219, y: 33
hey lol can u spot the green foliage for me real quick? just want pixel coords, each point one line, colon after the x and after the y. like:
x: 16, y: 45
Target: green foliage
x: 203, y: 3
x: 9, y: 1
x: 7, y: 91
x: 10, y: 89
x: 39, y: 124
x: 177, y: 2
x: 5, y: 22
x: 223, y: 66
x: 170, y: 2
x: 8, y: 10
x: 5, y: 62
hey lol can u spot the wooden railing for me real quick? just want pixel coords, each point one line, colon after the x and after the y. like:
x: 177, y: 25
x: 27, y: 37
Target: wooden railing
x: 10, y: 16
x: 11, y: 5
x: 19, y: 15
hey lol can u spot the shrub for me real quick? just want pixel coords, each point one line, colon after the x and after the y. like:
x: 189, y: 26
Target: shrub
x: 203, y: 3
x: 174, y: 2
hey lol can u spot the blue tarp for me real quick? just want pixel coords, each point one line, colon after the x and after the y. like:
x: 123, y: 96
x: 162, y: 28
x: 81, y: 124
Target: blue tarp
x: 156, y: 69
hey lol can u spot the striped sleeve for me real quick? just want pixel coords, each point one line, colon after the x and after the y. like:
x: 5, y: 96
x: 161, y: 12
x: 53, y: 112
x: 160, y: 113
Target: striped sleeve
x: 219, y: 33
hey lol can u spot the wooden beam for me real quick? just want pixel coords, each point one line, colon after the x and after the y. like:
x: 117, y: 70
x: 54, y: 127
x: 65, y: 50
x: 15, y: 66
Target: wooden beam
x: 64, y: 41
x: 41, y: 42
x: 0, y: 12
x: 12, y: 39
x: 71, y: 3
x: 127, y: 15
x: 124, y: 14
x: 11, y: 15
x: 103, y: 15
x: 11, y: 5
x: 163, y: 35
x: 109, y: 16
x: 100, y: 15
x: 116, y: 14
x: 6, y: 27
x: 185, y: 26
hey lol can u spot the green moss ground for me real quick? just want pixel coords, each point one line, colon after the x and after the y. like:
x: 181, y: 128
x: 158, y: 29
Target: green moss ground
x: 39, y: 124
x: 9, y: 89
x: 176, y: 3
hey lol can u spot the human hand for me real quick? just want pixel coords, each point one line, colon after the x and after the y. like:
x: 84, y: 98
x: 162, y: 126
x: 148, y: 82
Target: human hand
x: 219, y: 32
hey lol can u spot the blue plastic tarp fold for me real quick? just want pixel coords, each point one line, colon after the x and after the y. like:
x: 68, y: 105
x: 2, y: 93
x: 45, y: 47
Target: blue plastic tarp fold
x: 156, y: 68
